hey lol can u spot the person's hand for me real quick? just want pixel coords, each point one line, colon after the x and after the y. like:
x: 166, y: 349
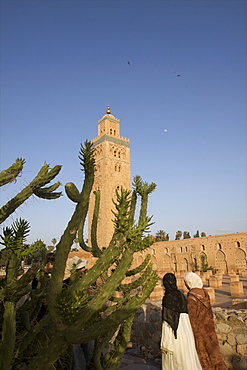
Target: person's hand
x: 163, y: 351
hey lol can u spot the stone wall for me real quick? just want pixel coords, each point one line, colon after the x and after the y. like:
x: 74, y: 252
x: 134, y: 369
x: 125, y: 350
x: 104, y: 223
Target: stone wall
x: 231, y: 329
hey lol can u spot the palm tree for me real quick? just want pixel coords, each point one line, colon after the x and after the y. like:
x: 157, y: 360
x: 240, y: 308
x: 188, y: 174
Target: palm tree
x: 178, y: 235
x: 54, y: 242
x: 161, y: 235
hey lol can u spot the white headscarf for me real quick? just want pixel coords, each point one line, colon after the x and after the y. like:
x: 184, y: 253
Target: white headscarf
x: 193, y: 280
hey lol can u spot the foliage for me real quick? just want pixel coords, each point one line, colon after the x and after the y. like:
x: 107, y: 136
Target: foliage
x: 99, y: 306
x: 197, y: 234
x: 204, y: 264
x: 54, y: 241
x: 161, y: 235
x: 186, y: 235
x: 178, y: 235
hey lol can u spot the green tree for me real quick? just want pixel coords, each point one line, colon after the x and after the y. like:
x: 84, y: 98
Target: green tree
x: 197, y: 234
x: 54, y: 241
x: 178, y: 235
x: 186, y: 235
x: 161, y: 235
x: 204, y: 263
x: 203, y: 234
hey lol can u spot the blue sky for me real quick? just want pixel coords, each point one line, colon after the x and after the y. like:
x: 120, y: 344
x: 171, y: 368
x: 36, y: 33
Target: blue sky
x: 63, y: 62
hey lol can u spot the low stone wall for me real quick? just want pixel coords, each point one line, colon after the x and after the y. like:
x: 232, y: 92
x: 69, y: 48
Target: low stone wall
x: 231, y: 329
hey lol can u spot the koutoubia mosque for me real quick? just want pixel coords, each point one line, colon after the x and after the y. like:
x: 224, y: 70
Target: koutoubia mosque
x: 225, y: 253
x: 112, y: 164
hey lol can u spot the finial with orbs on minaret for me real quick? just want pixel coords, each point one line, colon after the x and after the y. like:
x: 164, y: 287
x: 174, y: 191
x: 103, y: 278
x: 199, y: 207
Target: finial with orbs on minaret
x: 108, y: 111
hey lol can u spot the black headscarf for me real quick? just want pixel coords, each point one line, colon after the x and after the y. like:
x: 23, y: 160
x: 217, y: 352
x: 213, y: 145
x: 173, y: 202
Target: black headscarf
x: 174, y: 302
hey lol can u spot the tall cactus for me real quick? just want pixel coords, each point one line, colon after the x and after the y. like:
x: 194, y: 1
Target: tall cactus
x: 99, y: 306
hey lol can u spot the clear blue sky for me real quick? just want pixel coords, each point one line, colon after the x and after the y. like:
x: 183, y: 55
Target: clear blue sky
x: 62, y: 62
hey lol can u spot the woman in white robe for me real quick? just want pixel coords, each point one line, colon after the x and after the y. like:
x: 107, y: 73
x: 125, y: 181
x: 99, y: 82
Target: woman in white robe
x: 177, y: 340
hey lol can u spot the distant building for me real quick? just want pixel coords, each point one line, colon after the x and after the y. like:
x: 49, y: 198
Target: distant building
x: 226, y: 253
x: 112, y: 162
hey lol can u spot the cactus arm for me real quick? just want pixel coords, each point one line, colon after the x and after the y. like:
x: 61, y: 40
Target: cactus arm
x: 138, y: 282
x: 62, y: 251
x: 82, y: 243
x: 140, y: 267
x: 101, y: 265
x: 103, y: 294
x: 11, y: 270
x: 48, y: 192
x: 96, y: 250
x: 49, y: 354
x: 143, y: 189
x: 12, y: 172
x: 101, y: 327
x: 132, y: 207
x: 99, y: 347
x: 67, y: 239
x: 43, y: 177
x: 110, y: 286
x: 27, y: 277
x: 114, y: 355
x: 8, y: 336
x: 28, y: 338
x: 72, y: 192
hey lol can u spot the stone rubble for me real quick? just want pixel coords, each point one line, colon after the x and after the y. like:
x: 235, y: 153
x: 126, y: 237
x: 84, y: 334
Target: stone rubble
x: 231, y: 329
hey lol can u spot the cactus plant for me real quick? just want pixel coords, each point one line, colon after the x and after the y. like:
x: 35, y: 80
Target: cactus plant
x: 44, y: 176
x: 11, y: 173
x: 99, y: 306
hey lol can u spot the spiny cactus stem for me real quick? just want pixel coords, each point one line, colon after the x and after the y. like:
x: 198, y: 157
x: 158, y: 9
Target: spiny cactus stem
x: 107, y: 290
x: 140, y: 267
x: 12, y: 172
x: 48, y: 355
x: 100, y: 347
x: 27, y: 339
x: 96, y: 251
x: 8, y: 336
x: 12, y: 267
x: 102, y: 327
x: 138, y: 282
x: 114, y: 355
x: 65, y: 244
x: 25, y: 193
x: 143, y: 210
x: 132, y: 207
x: 101, y: 265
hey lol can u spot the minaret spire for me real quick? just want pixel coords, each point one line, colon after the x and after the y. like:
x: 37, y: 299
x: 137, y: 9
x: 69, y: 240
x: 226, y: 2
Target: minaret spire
x: 108, y: 111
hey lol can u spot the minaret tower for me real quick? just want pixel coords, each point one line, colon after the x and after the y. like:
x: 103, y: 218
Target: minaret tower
x: 112, y: 163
